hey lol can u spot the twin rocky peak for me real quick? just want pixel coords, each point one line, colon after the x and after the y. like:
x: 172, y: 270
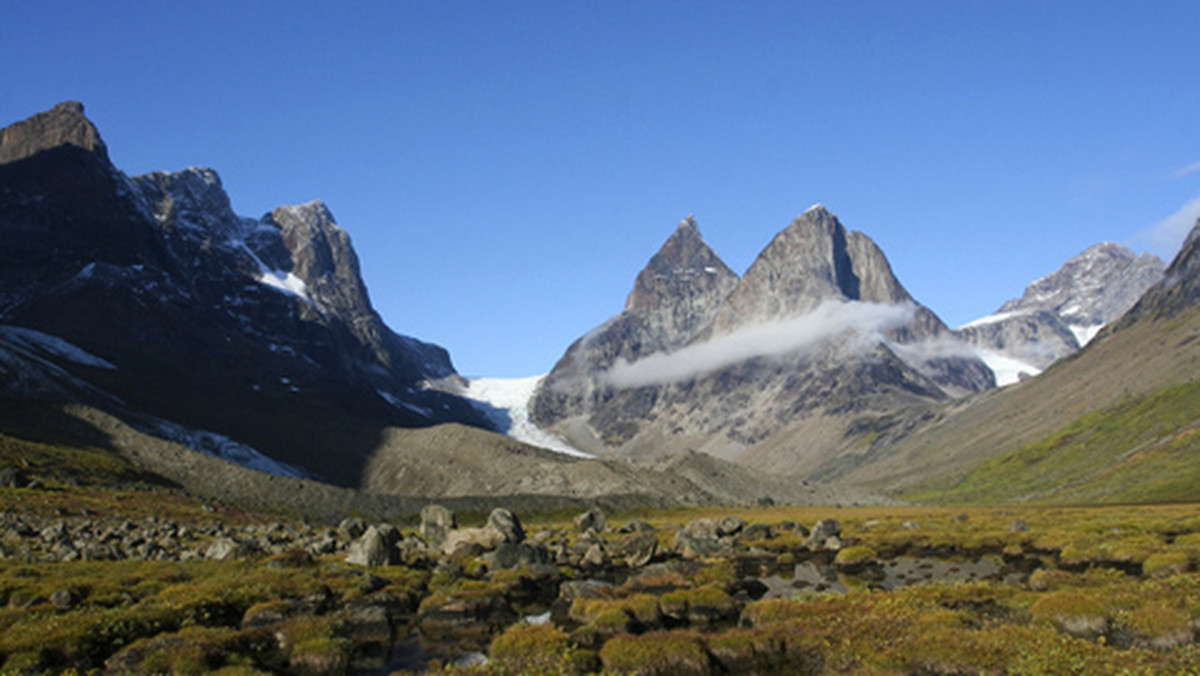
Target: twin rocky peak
x: 817, y: 334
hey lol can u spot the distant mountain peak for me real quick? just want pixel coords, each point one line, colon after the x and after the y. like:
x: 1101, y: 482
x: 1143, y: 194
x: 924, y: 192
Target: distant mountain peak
x: 1092, y: 288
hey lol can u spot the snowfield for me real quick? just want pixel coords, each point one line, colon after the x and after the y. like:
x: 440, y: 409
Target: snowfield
x: 1006, y: 369
x: 506, y: 400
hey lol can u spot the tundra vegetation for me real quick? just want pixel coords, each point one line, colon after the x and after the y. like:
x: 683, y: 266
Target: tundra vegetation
x: 105, y: 569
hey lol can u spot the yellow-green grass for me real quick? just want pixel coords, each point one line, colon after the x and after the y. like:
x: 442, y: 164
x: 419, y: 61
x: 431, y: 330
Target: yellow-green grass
x: 1145, y: 450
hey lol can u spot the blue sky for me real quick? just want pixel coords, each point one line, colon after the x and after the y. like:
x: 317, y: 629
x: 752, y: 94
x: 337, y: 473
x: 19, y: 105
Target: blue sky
x: 506, y: 168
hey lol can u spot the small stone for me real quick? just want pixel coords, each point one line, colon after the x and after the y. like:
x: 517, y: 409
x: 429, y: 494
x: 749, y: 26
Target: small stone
x: 64, y: 599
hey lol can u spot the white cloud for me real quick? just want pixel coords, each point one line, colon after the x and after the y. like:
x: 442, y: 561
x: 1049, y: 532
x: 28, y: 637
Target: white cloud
x: 1165, y: 237
x: 1192, y: 168
x: 850, y: 322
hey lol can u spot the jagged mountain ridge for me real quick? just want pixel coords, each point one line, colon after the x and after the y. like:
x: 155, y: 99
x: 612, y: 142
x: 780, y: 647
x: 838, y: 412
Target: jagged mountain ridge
x: 746, y: 366
x: 1062, y: 311
x: 258, y: 329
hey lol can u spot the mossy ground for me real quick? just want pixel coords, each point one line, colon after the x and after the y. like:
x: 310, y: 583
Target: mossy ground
x: 1117, y: 590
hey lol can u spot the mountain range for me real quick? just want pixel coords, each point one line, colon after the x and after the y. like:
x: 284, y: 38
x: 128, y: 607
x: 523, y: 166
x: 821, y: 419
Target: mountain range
x: 143, y: 316
x: 142, y: 312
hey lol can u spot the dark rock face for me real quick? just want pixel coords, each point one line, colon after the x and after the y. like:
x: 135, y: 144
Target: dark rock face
x: 1179, y: 288
x: 730, y: 357
x: 62, y: 125
x: 258, y: 329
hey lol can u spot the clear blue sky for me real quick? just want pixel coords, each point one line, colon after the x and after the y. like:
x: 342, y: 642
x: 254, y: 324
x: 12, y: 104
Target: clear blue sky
x: 506, y: 168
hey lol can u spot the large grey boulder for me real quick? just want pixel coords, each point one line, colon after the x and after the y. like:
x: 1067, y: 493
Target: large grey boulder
x: 436, y: 523
x: 370, y: 550
x: 508, y: 524
x: 591, y: 521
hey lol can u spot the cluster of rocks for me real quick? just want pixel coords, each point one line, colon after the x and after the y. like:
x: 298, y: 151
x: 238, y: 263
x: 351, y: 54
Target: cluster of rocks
x: 93, y: 538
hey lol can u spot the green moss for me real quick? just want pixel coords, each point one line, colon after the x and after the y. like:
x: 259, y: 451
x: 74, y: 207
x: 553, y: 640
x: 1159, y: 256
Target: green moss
x: 852, y: 556
x: 536, y: 649
x: 665, y: 653
x: 1165, y: 563
x: 1158, y: 619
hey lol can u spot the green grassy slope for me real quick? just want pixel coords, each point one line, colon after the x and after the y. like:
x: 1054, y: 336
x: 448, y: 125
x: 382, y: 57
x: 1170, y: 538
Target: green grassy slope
x: 1102, y: 409
x: 1146, y: 449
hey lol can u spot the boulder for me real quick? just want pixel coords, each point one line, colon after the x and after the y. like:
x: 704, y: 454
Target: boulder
x: 508, y: 556
x: 508, y: 524
x: 700, y: 539
x: 636, y: 550
x: 595, y: 557
x: 225, y: 548
x: 730, y: 525
x: 371, y: 550
x: 825, y: 534
x: 474, y: 540
x: 591, y: 521
x: 351, y: 528
x: 436, y: 524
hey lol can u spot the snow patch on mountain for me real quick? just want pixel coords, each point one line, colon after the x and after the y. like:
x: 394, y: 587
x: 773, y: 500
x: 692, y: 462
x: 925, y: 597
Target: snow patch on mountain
x: 1006, y: 369
x: 506, y: 400
x: 211, y: 443
x: 1085, y: 334
x: 992, y: 319
x: 53, y: 346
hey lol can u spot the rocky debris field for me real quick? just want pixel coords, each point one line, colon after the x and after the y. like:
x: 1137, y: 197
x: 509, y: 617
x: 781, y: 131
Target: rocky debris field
x: 770, y: 590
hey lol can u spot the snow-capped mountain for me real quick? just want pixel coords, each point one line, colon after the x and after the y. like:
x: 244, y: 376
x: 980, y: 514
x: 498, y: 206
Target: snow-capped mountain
x: 258, y: 330
x: 772, y: 369
x: 1063, y: 311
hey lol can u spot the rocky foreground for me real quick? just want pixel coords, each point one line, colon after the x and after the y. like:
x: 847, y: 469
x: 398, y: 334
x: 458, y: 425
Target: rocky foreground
x: 879, y: 590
